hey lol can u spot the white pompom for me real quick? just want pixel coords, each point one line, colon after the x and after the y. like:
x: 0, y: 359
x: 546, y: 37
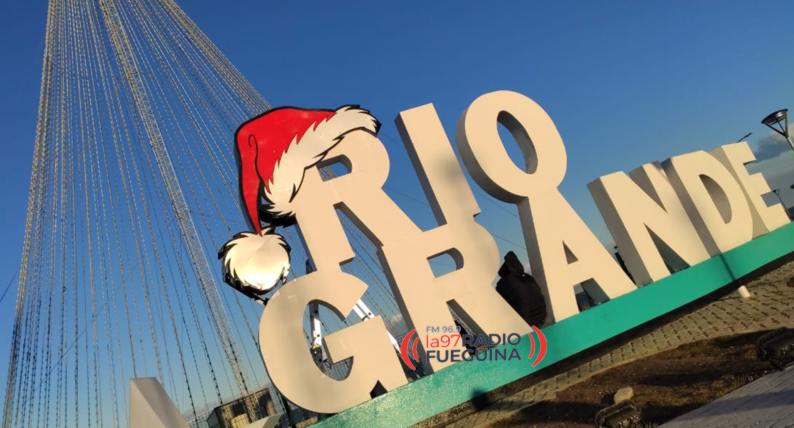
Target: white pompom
x: 255, y: 263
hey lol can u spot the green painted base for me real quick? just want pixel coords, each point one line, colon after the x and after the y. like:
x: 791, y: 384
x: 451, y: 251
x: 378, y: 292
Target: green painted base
x: 461, y: 382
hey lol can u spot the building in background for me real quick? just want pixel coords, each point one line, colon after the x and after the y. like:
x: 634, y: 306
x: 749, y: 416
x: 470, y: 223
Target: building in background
x: 243, y: 411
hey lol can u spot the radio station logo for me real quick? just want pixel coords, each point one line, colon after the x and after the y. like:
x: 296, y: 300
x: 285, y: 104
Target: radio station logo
x: 450, y: 343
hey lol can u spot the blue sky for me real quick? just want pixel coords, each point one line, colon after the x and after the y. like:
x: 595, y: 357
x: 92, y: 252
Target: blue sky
x: 625, y: 82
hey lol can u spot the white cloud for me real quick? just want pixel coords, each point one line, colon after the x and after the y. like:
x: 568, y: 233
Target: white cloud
x: 773, y: 145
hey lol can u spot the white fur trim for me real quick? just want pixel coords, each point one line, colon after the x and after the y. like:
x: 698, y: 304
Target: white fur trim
x: 255, y: 262
x: 308, y: 151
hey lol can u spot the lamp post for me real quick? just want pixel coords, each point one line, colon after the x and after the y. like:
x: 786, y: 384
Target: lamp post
x: 780, y: 198
x: 778, y: 122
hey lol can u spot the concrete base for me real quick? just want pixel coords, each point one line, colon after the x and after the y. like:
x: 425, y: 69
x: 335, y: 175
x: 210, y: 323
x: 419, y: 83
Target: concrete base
x: 767, y: 402
x: 150, y: 406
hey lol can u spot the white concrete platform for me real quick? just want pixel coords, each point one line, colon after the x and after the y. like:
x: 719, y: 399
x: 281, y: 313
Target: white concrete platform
x: 765, y: 403
x: 150, y: 406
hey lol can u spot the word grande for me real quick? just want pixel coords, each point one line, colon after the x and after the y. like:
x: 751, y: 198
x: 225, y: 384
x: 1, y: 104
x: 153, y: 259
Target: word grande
x: 698, y: 204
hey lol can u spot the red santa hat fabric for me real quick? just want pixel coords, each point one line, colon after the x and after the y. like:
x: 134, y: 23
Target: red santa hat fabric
x: 275, y: 149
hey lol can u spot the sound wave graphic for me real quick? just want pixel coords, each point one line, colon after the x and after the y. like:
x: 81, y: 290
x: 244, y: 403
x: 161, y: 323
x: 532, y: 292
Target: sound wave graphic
x: 541, y: 339
x: 406, y: 342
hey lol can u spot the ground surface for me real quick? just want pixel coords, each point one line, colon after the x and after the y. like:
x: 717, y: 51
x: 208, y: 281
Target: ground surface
x: 771, y: 306
x: 666, y: 385
x: 765, y: 403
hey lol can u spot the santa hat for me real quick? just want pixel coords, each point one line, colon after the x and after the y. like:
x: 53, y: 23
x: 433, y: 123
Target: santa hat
x: 274, y: 150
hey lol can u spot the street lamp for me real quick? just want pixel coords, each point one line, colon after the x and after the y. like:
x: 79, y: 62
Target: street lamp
x: 780, y: 198
x: 778, y: 122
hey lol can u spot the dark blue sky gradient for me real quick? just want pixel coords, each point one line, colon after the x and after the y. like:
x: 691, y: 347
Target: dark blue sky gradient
x: 626, y: 82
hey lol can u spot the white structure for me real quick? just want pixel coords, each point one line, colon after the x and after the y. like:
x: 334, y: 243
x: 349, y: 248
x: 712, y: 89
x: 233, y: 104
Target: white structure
x: 150, y: 406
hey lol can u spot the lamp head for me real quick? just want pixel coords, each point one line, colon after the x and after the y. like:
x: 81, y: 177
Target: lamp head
x: 778, y: 122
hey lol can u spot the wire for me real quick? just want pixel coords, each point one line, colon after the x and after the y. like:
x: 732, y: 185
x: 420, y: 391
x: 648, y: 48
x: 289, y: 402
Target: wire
x: 8, y: 286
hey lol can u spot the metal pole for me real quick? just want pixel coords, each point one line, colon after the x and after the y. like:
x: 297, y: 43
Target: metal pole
x: 790, y: 143
x: 779, y: 198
